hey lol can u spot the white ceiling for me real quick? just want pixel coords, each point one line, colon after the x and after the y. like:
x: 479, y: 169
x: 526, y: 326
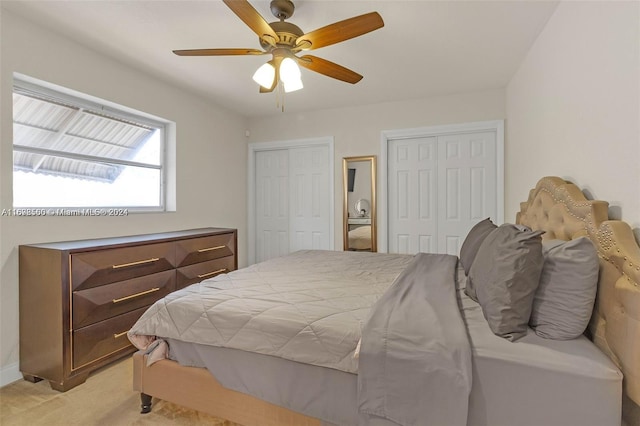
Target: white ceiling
x: 426, y: 48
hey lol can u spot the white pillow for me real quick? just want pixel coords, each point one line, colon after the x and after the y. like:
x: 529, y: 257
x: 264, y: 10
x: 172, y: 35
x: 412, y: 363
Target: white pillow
x: 563, y: 302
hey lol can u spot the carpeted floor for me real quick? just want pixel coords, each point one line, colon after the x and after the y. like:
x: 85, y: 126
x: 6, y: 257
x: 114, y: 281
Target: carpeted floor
x: 105, y: 399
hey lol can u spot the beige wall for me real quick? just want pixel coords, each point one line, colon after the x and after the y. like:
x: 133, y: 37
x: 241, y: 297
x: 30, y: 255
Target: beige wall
x: 357, y: 130
x: 573, y: 107
x: 211, y: 156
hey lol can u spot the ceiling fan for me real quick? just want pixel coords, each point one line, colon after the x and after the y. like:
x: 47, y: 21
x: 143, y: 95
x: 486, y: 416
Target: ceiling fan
x: 283, y: 40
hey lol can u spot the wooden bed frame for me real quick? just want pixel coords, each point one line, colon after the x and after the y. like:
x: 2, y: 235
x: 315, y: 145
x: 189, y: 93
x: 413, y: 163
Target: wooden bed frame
x: 554, y: 205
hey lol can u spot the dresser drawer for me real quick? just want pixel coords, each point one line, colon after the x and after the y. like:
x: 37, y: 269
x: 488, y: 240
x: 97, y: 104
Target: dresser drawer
x: 99, y: 303
x: 96, y: 268
x: 101, y: 339
x: 201, y: 271
x: 196, y: 250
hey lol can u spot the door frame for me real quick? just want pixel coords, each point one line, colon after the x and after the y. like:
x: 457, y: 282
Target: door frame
x: 255, y: 147
x: 440, y: 130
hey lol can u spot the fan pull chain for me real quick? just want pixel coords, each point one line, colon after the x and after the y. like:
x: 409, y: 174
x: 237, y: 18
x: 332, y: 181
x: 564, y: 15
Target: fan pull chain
x: 280, y: 96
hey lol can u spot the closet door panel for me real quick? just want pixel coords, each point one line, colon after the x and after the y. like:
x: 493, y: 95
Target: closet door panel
x: 412, y: 180
x: 309, y: 213
x: 467, y: 182
x: 272, y: 204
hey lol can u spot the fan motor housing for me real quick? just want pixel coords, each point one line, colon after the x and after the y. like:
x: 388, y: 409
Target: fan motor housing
x: 287, y: 32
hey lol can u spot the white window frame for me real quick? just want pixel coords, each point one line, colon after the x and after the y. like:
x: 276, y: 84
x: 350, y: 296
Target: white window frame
x: 167, y: 201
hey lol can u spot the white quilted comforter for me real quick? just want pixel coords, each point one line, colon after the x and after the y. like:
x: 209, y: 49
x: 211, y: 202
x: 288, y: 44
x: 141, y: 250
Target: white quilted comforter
x: 309, y: 307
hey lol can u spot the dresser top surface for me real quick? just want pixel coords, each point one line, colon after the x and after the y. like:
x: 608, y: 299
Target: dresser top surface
x: 132, y: 239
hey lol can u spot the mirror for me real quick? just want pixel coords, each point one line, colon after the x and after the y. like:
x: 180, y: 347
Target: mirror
x: 359, y: 201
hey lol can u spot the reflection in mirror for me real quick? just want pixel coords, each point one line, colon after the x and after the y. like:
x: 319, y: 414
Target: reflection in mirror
x: 359, y: 211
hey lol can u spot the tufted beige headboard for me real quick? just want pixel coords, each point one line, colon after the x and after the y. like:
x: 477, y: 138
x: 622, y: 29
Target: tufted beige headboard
x: 561, y: 209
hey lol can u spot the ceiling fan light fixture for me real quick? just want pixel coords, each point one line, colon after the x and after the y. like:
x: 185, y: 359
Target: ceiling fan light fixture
x: 292, y: 85
x: 290, y: 75
x: 289, y: 70
x: 264, y: 75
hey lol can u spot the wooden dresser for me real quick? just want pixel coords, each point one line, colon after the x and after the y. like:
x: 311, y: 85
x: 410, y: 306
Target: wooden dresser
x: 78, y: 299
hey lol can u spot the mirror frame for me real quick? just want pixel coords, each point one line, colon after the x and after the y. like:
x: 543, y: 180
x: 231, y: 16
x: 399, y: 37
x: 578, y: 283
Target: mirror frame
x: 345, y: 201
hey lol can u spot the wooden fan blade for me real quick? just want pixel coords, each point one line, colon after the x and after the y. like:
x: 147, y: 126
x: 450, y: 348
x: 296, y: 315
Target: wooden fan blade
x: 328, y: 68
x: 340, y: 31
x: 218, y: 52
x: 253, y: 20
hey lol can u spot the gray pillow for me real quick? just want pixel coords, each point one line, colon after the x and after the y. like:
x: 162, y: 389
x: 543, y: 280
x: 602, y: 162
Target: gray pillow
x: 563, y: 303
x: 472, y: 242
x: 504, y: 277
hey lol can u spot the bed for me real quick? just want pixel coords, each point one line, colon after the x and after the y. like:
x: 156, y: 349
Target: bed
x: 360, y: 238
x: 482, y: 379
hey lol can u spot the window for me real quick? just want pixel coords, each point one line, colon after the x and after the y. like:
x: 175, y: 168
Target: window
x: 75, y: 151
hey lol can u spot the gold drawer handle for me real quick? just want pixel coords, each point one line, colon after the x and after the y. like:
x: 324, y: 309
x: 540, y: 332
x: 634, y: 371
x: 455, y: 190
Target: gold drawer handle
x: 212, y: 273
x: 115, y: 336
x: 142, y: 293
x: 211, y: 248
x: 140, y: 262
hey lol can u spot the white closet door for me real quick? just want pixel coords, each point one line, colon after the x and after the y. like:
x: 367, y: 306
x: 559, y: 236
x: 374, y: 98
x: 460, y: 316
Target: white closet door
x: 292, y: 200
x: 467, y: 183
x: 438, y: 188
x: 272, y: 203
x: 412, y: 180
x: 309, y: 207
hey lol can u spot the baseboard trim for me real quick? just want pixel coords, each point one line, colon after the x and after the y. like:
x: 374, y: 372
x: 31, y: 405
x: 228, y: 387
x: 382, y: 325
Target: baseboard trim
x: 10, y: 374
